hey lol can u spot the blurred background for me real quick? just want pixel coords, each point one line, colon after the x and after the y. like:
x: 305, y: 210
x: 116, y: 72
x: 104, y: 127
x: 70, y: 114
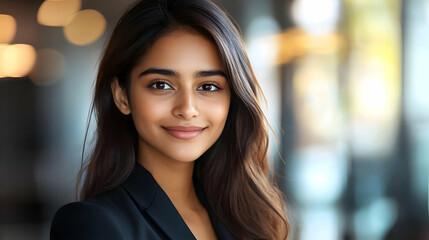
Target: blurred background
x: 347, y: 85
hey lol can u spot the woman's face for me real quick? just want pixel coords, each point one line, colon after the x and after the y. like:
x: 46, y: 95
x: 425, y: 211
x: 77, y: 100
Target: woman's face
x: 179, y: 97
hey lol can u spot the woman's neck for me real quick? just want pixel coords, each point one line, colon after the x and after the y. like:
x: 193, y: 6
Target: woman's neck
x: 174, y: 177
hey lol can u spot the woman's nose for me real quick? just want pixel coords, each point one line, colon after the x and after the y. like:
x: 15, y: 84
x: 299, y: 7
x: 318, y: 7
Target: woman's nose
x: 185, y: 105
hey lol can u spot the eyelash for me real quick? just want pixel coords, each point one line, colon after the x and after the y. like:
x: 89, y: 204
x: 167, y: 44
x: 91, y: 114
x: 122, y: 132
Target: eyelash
x: 210, y: 84
x: 152, y: 85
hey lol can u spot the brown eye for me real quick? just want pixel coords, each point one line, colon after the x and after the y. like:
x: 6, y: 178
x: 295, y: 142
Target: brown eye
x: 160, y: 86
x: 208, y: 88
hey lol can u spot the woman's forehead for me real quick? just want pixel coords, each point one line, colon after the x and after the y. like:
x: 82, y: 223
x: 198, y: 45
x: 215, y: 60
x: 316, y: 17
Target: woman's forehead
x: 182, y: 50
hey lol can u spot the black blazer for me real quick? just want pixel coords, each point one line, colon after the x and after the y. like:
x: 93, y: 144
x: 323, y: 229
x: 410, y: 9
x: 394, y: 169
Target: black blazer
x: 136, y: 209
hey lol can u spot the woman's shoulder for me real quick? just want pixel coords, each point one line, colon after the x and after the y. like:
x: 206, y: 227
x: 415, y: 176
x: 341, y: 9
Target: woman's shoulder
x: 80, y: 211
x: 91, y: 219
x: 84, y: 220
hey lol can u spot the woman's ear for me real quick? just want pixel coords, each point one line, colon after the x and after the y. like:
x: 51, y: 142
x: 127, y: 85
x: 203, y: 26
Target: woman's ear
x: 120, y: 97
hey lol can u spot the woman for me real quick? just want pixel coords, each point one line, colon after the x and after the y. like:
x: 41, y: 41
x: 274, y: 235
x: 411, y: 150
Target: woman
x: 181, y: 141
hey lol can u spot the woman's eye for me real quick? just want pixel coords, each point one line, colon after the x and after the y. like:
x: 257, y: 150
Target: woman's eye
x: 208, y: 88
x: 160, y: 86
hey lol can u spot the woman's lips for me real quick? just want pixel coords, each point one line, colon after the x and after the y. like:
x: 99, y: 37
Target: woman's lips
x: 184, y: 133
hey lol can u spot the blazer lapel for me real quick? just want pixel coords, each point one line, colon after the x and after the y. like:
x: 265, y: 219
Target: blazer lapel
x: 150, y: 197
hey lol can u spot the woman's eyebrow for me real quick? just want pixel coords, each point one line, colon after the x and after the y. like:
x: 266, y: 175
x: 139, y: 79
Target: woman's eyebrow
x: 209, y: 73
x: 165, y: 72
x: 171, y: 73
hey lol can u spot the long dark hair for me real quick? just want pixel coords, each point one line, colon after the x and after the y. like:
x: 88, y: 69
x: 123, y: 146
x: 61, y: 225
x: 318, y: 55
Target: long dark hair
x: 234, y: 171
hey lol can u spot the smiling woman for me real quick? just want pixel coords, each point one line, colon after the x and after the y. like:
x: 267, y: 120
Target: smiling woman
x: 181, y: 141
x: 178, y: 92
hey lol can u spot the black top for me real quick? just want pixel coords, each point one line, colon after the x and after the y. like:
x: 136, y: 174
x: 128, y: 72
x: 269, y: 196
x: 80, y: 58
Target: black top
x: 136, y: 209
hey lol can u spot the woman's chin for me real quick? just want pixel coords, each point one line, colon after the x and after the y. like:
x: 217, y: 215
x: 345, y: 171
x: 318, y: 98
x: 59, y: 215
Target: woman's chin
x: 188, y: 158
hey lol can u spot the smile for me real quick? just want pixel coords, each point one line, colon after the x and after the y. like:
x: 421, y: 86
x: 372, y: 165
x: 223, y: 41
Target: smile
x: 184, y: 133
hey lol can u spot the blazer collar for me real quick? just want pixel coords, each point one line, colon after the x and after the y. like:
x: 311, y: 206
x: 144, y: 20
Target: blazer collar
x: 150, y: 197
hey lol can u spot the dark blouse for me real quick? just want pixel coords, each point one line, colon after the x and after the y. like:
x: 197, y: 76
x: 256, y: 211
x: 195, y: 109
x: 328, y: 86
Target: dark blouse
x: 136, y: 209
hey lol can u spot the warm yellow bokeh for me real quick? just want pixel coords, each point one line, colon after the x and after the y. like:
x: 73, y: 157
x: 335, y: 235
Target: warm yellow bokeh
x: 373, y: 77
x: 8, y: 28
x: 2, y: 47
x: 295, y: 42
x: 85, y: 27
x: 57, y: 13
x: 16, y: 60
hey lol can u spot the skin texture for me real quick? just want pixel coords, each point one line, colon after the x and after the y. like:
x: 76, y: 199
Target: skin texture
x: 191, y: 90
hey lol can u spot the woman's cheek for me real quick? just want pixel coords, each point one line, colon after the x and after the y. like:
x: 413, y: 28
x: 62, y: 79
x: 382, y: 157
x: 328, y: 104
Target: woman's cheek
x: 218, y: 112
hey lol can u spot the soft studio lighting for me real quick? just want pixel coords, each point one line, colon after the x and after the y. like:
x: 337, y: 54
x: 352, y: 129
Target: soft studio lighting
x: 57, y: 13
x: 85, y: 27
x: 8, y: 28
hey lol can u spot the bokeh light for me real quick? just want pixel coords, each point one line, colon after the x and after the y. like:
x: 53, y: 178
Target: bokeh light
x: 374, y: 220
x: 49, y: 68
x: 316, y: 96
x: 2, y: 47
x: 85, y: 27
x: 8, y: 28
x: 319, y: 175
x: 320, y: 224
x: 57, y: 13
x: 373, y: 87
x: 316, y: 16
x: 293, y: 43
x: 17, y: 60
